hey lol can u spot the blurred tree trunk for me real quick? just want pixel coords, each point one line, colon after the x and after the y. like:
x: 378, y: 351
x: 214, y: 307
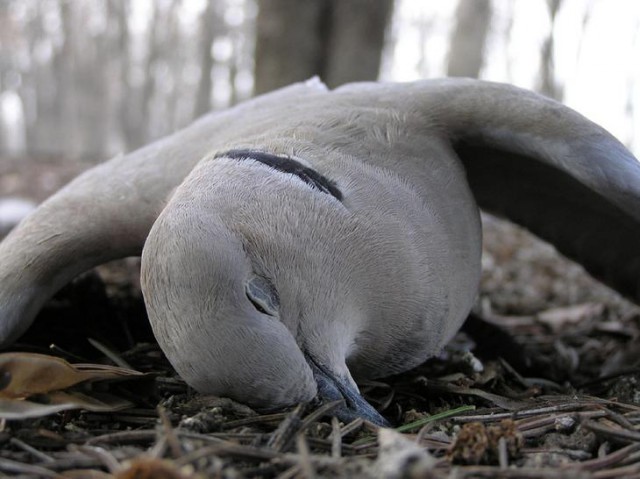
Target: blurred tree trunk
x: 207, y: 29
x: 157, y: 26
x: 40, y: 94
x: 466, y: 53
x: 128, y: 108
x: 58, y: 107
x: 92, y: 96
x: 288, y: 42
x: 341, y: 41
x: 175, y: 61
x: 356, y: 40
x: 548, y: 84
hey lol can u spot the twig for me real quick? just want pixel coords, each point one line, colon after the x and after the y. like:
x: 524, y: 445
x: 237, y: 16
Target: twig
x: 169, y: 433
x: 143, y: 435
x: 293, y: 471
x: 203, y: 437
x: 336, y: 438
x: 228, y: 449
x: 555, y: 423
x: 305, y: 462
x: 112, y: 355
x: 251, y: 453
x: 618, y: 418
x: 102, y: 455
x: 8, y: 465
x: 250, y: 421
x: 632, y: 458
x: 503, y: 454
x: 528, y: 425
x: 31, y: 450
x: 493, y: 472
x: 283, y: 436
x: 610, y: 459
x: 320, y: 412
x: 493, y: 417
x: 352, y: 426
x: 622, y: 435
x: 628, y: 472
x: 159, y: 448
x: 432, y: 441
x: 57, y: 350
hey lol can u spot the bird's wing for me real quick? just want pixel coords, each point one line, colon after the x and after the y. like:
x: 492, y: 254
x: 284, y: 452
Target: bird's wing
x: 536, y: 162
x: 107, y: 212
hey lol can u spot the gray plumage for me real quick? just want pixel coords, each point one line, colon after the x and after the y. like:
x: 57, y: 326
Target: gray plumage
x: 258, y: 281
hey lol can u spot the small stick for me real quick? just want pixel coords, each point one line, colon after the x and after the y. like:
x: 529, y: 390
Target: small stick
x: 169, y: 433
x: 336, y: 438
x: 31, y: 450
x: 305, y: 461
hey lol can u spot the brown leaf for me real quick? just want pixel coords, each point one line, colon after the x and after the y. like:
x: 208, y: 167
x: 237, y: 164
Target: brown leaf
x: 58, y: 401
x: 33, y: 385
x: 25, y: 374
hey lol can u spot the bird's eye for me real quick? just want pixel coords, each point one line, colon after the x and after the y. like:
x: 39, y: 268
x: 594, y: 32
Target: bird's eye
x: 262, y: 295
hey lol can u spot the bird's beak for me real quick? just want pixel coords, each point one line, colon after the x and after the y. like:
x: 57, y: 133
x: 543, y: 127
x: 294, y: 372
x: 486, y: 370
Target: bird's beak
x: 332, y: 388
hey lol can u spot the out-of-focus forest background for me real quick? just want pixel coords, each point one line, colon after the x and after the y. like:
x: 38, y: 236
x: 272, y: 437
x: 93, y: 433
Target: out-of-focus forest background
x: 89, y: 79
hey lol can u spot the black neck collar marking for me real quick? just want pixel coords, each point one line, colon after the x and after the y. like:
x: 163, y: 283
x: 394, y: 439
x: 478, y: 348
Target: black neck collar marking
x: 287, y: 165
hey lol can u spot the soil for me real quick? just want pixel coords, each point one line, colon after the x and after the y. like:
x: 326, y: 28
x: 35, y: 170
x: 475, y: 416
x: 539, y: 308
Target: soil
x: 546, y: 385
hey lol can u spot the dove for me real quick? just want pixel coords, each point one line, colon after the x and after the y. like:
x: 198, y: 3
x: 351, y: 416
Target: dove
x: 309, y: 238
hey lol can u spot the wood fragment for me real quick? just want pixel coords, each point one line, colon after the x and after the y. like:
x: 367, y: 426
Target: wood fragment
x: 31, y: 450
x: 305, y: 462
x: 169, y: 433
x: 11, y: 466
x: 336, y: 438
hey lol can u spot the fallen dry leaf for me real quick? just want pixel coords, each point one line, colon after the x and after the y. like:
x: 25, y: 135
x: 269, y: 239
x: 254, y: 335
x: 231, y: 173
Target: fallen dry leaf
x: 45, y: 404
x: 26, y: 374
x: 33, y: 385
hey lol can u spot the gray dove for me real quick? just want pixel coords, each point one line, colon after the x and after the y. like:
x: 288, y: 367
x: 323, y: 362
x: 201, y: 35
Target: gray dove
x: 309, y: 238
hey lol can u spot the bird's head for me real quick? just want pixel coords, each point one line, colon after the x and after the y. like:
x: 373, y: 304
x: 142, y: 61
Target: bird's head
x: 247, y: 287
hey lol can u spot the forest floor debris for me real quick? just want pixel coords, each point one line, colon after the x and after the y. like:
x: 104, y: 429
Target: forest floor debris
x: 569, y: 408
